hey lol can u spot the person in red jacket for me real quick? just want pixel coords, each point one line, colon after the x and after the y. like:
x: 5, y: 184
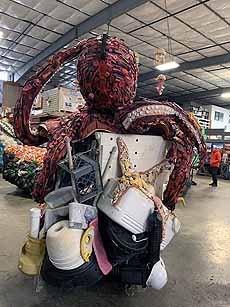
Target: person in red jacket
x: 214, y: 165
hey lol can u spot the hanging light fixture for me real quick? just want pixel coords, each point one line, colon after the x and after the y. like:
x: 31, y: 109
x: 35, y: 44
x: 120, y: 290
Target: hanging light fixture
x: 225, y: 95
x: 160, y: 62
x: 167, y: 66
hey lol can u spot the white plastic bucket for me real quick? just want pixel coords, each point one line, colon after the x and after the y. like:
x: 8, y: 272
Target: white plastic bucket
x: 131, y: 211
x: 59, y: 197
x: 35, y: 214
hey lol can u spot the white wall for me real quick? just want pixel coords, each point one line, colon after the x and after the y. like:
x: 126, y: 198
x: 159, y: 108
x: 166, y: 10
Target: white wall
x: 214, y: 124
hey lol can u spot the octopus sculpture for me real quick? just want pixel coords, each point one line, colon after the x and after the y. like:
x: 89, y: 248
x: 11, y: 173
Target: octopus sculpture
x: 107, y: 73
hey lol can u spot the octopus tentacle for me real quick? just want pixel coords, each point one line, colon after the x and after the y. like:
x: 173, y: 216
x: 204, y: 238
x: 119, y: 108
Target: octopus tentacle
x: 148, y: 115
x: 57, y: 129
x: 31, y: 89
x: 56, y: 150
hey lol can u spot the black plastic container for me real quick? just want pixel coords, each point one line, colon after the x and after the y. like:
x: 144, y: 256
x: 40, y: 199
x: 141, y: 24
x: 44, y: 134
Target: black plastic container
x: 86, y: 275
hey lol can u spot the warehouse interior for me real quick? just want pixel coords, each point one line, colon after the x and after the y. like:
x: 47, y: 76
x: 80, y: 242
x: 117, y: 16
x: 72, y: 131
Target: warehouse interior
x: 114, y: 138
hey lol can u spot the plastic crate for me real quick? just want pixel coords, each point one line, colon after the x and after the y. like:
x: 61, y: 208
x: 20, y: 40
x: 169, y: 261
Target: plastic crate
x: 87, y: 176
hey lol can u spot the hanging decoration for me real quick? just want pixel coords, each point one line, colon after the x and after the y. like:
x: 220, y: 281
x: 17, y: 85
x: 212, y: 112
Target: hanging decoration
x: 160, y: 86
x: 159, y: 56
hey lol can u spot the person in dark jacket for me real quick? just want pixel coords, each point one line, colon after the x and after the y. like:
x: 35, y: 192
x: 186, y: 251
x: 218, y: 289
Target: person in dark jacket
x: 214, y: 165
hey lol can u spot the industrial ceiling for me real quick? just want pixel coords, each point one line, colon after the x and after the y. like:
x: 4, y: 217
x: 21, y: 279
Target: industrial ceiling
x: 32, y: 30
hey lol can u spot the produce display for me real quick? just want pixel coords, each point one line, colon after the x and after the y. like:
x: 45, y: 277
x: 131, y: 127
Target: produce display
x: 1, y: 156
x: 7, y: 138
x: 22, y: 164
x: 6, y: 127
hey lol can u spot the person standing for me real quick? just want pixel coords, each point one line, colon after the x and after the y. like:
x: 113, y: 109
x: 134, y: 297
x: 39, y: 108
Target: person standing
x: 214, y: 165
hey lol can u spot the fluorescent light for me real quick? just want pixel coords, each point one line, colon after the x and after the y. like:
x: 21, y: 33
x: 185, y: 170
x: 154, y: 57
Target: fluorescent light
x: 4, y: 75
x: 167, y: 66
x: 225, y: 95
x: 1, y: 34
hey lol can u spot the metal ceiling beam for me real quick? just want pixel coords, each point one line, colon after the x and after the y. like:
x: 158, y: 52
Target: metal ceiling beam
x: 103, y: 17
x: 197, y: 95
x: 202, y: 63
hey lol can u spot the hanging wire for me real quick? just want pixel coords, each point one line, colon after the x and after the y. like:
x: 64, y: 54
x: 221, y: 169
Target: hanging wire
x: 168, y: 29
x: 108, y: 28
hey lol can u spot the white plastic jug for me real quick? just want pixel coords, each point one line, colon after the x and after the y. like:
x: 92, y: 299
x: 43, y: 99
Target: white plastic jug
x: 158, y: 276
x: 63, y: 246
x: 171, y: 228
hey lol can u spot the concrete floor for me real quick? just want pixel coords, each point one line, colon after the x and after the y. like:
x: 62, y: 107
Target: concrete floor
x: 197, y: 260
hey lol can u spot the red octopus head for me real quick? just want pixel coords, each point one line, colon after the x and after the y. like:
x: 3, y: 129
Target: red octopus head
x: 107, y: 73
